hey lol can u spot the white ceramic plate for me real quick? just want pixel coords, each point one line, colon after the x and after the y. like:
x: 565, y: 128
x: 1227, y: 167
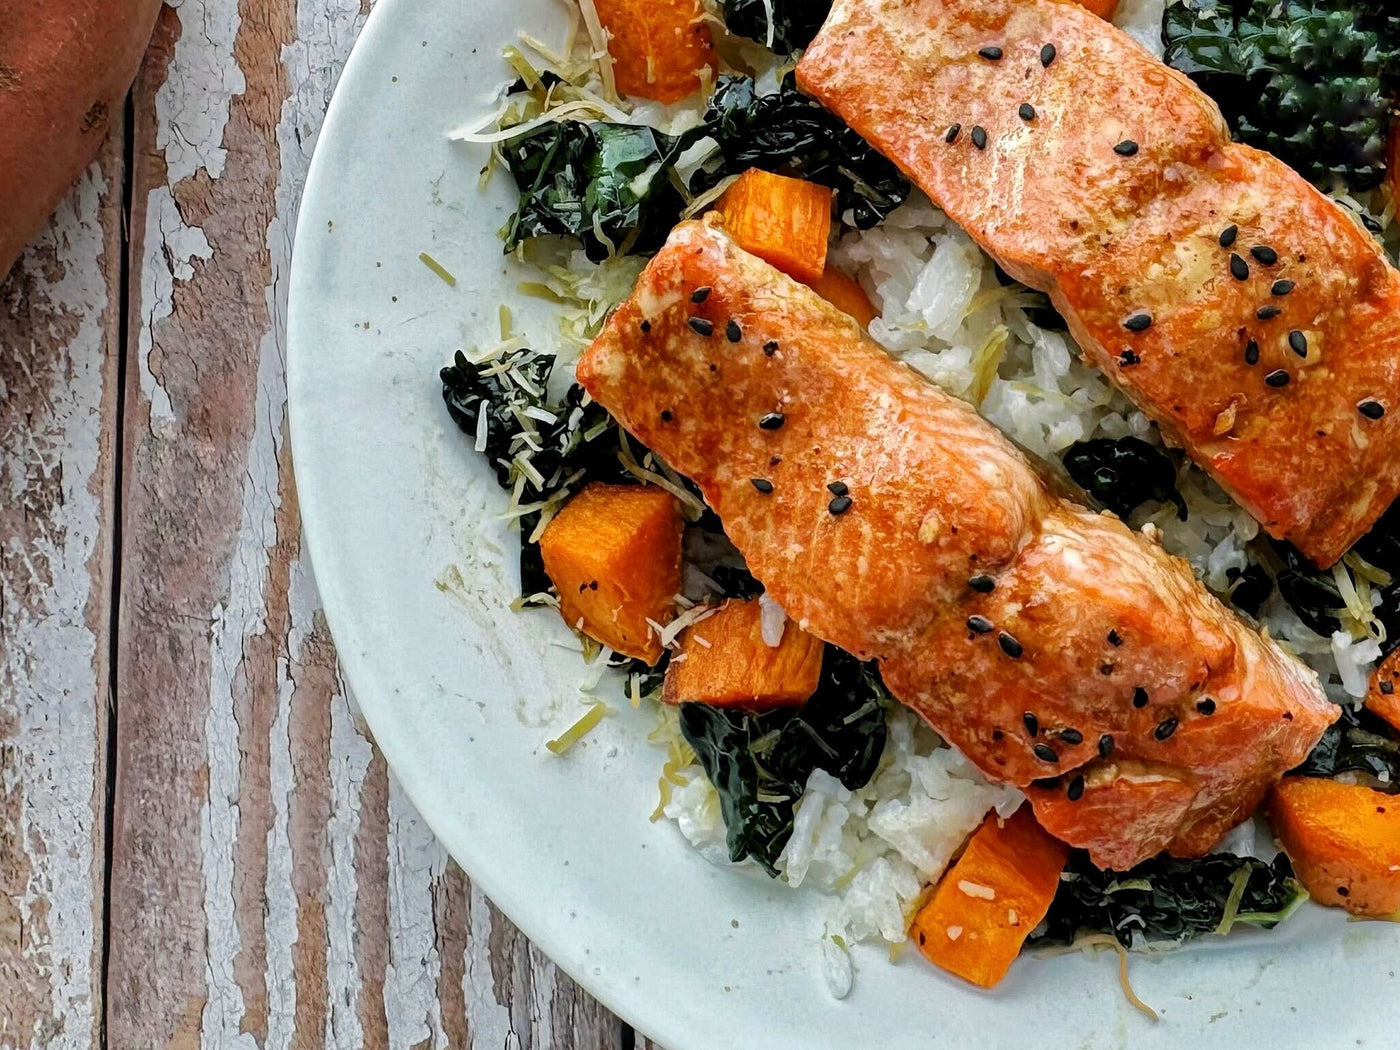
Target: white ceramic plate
x: 417, y: 573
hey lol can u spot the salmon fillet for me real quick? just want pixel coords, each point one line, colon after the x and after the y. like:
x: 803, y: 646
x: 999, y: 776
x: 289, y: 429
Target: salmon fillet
x: 1235, y: 304
x: 1046, y: 642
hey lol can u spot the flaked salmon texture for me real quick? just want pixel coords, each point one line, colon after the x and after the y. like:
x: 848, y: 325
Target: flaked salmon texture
x: 1056, y: 648
x: 1237, y: 306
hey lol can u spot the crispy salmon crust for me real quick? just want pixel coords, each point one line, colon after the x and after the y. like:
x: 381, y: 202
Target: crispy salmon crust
x: 984, y: 597
x: 1115, y: 198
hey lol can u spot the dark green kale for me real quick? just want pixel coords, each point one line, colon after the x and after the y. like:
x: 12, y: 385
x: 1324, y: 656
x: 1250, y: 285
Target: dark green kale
x: 1250, y: 588
x: 1312, y: 81
x: 595, y: 181
x: 795, y: 22
x: 1358, y: 742
x: 580, y: 445
x: 788, y: 133
x: 612, y: 187
x: 1166, y: 900
x: 759, y: 763
x: 1124, y: 473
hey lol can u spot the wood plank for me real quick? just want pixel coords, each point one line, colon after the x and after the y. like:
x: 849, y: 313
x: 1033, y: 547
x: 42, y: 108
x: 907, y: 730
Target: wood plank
x: 271, y: 886
x: 59, y: 320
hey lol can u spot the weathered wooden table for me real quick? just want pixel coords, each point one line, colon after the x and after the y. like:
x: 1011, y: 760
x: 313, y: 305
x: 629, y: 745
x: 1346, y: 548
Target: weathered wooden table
x: 199, y: 844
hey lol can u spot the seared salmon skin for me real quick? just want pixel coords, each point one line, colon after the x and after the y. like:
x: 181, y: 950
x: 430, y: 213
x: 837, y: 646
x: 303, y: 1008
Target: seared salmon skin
x: 1241, y: 309
x: 1058, y: 649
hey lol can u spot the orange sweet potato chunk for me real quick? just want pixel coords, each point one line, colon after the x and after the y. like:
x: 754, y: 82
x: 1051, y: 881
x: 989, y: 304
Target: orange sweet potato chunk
x: 784, y: 221
x: 989, y: 901
x: 614, y: 555
x: 1384, y: 695
x: 658, y: 47
x: 1103, y: 8
x: 846, y: 294
x: 724, y: 661
x: 1343, y: 840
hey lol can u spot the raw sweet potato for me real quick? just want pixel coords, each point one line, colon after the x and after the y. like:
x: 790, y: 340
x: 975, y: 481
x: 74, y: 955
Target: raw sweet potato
x: 1384, y: 695
x: 786, y: 222
x: 987, y: 903
x: 658, y: 47
x: 724, y: 661
x: 1343, y: 840
x: 614, y: 555
x: 845, y: 293
x: 65, y: 66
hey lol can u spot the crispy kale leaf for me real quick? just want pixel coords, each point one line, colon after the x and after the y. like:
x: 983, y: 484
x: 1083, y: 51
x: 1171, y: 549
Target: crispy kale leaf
x: 579, y: 446
x: 612, y: 187
x: 759, y: 763
x: 795, y: 22
x: 1124, y: 473
x: 1358, y: 742
x: 1166, y: 900
x: 1311, y: 81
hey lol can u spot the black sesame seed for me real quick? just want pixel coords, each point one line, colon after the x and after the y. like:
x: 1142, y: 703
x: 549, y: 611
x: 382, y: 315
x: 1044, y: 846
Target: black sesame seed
x: 1026, y: 112
x: 1046, y: 783
x: 1076, y: 788
x: 1071, y: 736
x: 1388, y: 688
x: 1126, y: 148
x: 1205, y: 705
x: 1342, y: 891
x: 1239, y: 269
x: 702, y: 326
x: 1031, y: 723
x: 1165, y: 728
x: 772, y: 421
x: 1277, y: 378
x: 733, y: 332
x: 1299, y: 343
x: 997, y: 734
x: 1251, y: 353
x: 1282, y: 288
x: 771, y: 347
x: 1106, y: 669
x: 1047, y: 55
x: 991, y: 53
x: 840, y: 505
x: 1139, y: 697
x: 1010, y: 646
x: 773, y: 461
x: 953, y: 133
x: 1138, y: 323
x: 838, y: 488
x: 1105, y: 746
x: 762, y: 484
x: 1267, y: 313
x: 1371, y: 409
x: 979, y: 137
x: 646, y: 327
x: 666, y: 415
x: 1128, y: 358
x: 980, y: 625
x: 1115, y: 639
x: 1264, y: 254
x: 700, y: 294
x: 982, y: 584
x: 1228, y: 236
x: 1045, y: 753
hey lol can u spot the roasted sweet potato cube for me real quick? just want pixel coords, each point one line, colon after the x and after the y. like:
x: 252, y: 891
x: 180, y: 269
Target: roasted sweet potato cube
x: 658, y: 47
x: 1343, y: 840
x: 614, y: 555
x: 724, y: 661
x: 786, y: 222
x: 1384, y: 695
x: 1103, y: 8
x: 987, y: 903
x: 846, y: 294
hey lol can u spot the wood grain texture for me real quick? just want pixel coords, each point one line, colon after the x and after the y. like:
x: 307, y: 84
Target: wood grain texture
x: 271, y: 885
x: 59, y: 346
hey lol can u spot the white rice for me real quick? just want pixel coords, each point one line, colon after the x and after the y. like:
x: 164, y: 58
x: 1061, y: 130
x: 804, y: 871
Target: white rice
x: 943, y: 311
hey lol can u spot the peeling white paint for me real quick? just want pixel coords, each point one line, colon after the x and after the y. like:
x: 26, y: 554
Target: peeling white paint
x: 416, y: 863
x: 192, y: 106
x: 350, y: 758
x: 49, y: 652
x: 490, y: 1019
x: 170, y: 248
